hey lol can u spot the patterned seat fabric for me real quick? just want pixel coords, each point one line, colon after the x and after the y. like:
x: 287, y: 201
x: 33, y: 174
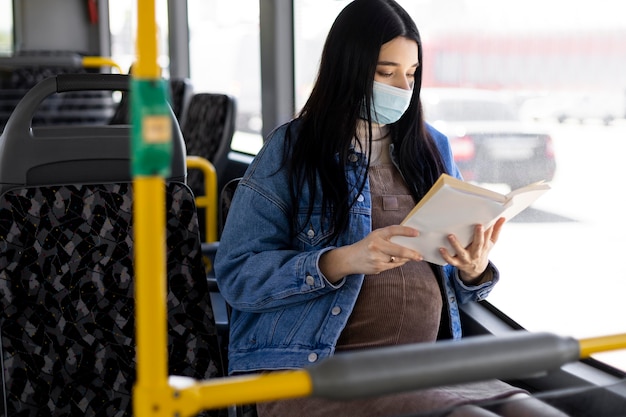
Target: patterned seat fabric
x: 67, y: 306
x: 181, y: 92
x: 208, y: 130
x: 75, y: 108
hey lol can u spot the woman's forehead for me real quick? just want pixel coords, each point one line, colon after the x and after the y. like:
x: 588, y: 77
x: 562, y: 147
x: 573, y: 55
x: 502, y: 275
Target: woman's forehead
x: 399, y: 51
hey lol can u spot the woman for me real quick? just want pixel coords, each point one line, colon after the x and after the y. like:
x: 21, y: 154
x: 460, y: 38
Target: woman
x: 305, y: 259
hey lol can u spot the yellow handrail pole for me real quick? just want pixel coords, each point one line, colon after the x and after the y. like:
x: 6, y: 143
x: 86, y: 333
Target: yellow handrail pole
x: 209, y: 199
x: 147, y: 46
x: 99, y: 61
x: 541, y: 351
x: 601, y: 344
x: 196, y: 396
x: 151, y: 159
x: 150, y: 294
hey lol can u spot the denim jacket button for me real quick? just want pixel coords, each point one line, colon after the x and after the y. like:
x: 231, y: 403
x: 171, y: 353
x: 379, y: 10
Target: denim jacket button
x: 310, y: 280
x: 310, y: 234
x: 335, y: 311
x: 312, y: 357
x: 353, y: 157
x: 360, y: 198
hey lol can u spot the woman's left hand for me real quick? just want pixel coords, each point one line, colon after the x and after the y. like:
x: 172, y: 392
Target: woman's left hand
x: 473, y: 260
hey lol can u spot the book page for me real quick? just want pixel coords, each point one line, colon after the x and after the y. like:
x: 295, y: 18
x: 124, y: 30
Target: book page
x: 469, y: 187
x: 453, y: 206
x: 448, y: 211
x: 519, y: 201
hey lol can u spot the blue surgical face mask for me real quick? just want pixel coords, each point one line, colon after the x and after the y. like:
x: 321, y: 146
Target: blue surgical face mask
x: 389, y: 103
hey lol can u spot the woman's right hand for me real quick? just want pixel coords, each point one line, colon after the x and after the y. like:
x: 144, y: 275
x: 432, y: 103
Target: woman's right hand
x: 372, y: 255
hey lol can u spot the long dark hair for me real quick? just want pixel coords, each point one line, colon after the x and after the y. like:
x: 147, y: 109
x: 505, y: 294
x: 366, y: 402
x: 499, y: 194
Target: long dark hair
x: 318, y: 149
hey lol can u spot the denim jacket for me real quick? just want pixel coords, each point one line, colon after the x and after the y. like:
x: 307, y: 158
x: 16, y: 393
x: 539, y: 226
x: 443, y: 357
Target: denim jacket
x: 285, y: 313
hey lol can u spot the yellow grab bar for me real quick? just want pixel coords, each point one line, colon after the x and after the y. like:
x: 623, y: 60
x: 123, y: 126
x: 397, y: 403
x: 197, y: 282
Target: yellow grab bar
x: 99, y: 61
x: 209, y: 199
x: 149, y: 130
x: 150, y: 294
x: 601, y: 344
x: 385, y: 370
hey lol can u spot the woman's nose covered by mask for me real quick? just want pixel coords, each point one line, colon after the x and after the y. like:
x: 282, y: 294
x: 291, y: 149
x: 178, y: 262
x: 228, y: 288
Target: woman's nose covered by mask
x: 389, y: 103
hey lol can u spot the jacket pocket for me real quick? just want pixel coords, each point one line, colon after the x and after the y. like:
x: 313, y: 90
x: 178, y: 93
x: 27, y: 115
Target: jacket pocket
x: 314, y: 234
x: 280, y: 328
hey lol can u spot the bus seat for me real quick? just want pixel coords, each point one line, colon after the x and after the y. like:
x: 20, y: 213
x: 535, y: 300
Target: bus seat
x: 208, y: 129
x: 21, y: 72
x: 209, y: 250
x: 66, y: 267
x: 121, y: 115
x: 220, y: 306
x: 46, y: 155
x: 181, y: 91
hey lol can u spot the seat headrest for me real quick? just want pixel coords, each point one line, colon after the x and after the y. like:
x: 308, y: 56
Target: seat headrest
x: 72, y: 154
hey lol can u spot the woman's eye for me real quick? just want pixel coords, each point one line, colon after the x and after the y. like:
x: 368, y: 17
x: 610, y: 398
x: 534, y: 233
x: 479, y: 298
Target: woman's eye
x: 386, y: 74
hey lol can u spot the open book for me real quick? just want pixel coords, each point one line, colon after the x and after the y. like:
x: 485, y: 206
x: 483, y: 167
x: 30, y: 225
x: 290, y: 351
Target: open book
x: 453, y: 206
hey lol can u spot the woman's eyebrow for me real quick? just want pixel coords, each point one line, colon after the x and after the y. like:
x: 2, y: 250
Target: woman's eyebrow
x: 395, y: 64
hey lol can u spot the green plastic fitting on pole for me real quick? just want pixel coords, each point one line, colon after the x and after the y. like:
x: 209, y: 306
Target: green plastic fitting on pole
x: 151, y: 144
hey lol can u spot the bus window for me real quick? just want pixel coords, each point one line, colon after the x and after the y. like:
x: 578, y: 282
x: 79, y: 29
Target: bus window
x: 6, y: 27
x: 560, y: 64
x: 224, y: 49
x: 312, y: 21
